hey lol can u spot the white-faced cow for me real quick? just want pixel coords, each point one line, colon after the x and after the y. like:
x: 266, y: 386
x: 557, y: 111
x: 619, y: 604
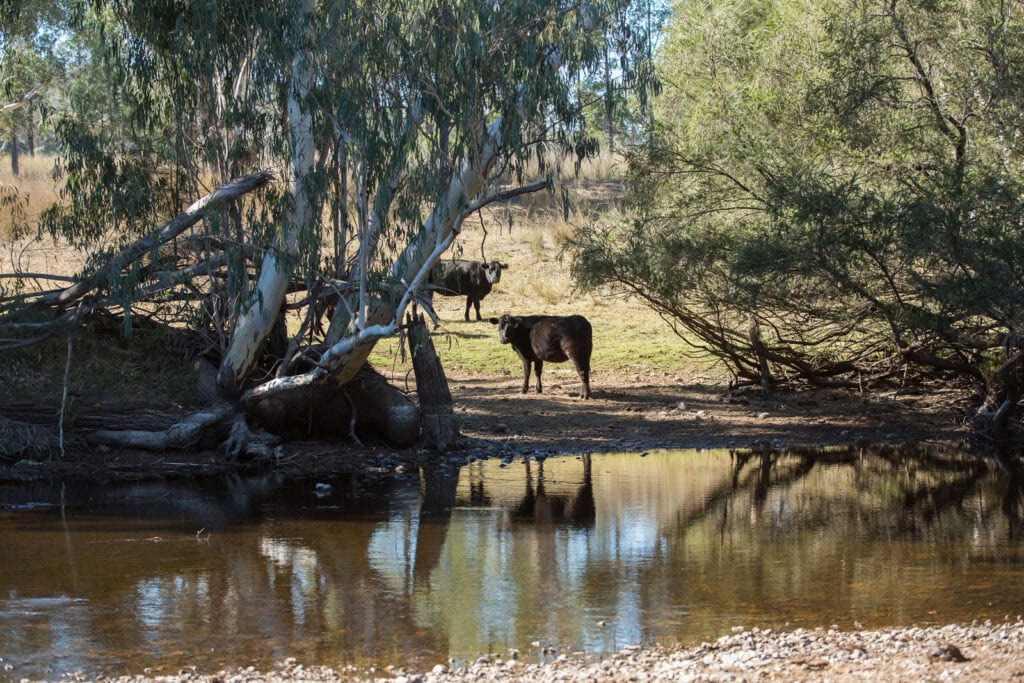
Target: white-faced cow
x: 553, y: 338
x: 472, y: 279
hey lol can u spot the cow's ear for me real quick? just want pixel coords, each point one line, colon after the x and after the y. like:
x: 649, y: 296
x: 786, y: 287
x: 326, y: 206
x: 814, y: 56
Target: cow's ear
x: 493, y: 321
x: 503, y: 265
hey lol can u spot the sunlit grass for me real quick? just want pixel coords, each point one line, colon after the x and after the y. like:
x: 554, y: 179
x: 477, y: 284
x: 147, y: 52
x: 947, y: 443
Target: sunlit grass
x: 26, y: 195
x: 630, y: 339
x: 528, y: 233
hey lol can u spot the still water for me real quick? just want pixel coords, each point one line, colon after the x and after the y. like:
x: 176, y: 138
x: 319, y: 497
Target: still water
x: 591, y: 553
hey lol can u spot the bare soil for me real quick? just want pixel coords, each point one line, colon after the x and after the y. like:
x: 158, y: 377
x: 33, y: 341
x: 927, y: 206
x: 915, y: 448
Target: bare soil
x: 626, y: 413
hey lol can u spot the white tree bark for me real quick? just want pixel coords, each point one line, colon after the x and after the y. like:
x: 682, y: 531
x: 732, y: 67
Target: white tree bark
x: 344, y: 358
x: 255, y: 322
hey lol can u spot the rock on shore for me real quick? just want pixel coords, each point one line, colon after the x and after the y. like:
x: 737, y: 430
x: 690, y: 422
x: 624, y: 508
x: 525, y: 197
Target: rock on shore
x: 977, y: 652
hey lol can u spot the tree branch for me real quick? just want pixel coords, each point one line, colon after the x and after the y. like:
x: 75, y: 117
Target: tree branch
x: 171, y: 229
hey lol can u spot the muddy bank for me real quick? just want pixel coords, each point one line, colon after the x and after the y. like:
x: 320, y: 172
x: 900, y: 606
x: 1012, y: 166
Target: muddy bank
x: 625, y: 414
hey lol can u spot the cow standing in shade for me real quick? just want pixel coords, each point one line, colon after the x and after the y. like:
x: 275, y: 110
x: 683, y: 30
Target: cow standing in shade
x: 472, y: 279
x: 553, y: 338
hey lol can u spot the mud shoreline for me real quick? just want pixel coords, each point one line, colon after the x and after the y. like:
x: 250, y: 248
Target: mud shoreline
x: 626, y: 414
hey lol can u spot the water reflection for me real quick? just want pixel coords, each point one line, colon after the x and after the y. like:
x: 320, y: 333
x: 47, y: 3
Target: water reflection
x: 590, y: 552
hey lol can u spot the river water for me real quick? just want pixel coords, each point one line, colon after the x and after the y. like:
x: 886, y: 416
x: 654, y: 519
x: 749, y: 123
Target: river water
x: 575, y: 553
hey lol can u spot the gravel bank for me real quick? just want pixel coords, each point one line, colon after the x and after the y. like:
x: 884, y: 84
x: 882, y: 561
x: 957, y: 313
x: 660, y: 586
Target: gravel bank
x: 976, y: 652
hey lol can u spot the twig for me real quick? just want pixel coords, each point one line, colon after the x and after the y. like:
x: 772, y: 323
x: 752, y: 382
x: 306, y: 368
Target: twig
x: 40, y: 276
x: 352, y: 419
x: 64, y: 398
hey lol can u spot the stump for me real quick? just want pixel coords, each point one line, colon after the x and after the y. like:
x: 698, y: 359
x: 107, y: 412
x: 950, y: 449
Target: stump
x: 440, y: 430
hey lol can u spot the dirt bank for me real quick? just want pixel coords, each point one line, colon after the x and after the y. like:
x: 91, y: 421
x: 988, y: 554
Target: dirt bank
x: 626, y: 413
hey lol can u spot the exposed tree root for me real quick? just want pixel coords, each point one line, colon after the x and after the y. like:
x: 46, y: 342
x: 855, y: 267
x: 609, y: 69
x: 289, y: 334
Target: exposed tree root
x: 183, y: 434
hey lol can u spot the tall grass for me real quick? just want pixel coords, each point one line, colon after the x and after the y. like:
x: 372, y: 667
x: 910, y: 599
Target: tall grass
x: 26, y: 195
x: 528, y: 233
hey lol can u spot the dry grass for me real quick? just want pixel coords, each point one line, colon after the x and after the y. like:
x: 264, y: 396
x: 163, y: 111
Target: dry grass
x: 630, y: 339
x: 32, y: 191
x: 605, y: 166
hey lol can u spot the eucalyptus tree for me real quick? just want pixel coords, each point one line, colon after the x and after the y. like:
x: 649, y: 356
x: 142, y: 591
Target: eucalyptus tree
x: 389, y: 124
x: 832, y: 191
x: 28, y: 65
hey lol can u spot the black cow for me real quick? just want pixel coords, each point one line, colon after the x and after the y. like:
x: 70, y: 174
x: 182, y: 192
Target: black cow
x: 554, y: 338
x: 470, y: 278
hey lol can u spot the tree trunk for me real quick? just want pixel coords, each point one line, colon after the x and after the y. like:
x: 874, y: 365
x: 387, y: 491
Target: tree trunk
x: 255, y: 322
x: 439, y: 426
x: 385, y: 407
x: 367, y: 402
x: 14, y: 151
x: 1009, y: 377
x: 31, y: 132
x: 757, y: 344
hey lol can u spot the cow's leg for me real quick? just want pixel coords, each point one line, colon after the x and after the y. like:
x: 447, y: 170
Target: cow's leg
x: 526, y: 375
x: 537, y: 366
x: 584, y: 373
x: 469, y: 300
x: 476, y: 305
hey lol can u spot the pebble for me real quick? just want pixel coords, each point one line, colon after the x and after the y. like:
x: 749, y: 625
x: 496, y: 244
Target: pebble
x: 979, y: 652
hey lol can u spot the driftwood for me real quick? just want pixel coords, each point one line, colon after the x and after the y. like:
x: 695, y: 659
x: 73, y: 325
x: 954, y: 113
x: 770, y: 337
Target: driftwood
x: 184, y: 433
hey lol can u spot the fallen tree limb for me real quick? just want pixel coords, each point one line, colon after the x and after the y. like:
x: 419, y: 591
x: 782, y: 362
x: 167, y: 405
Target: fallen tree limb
x: 35, y: 276
x: 171, y: 229
x: 183, y: 434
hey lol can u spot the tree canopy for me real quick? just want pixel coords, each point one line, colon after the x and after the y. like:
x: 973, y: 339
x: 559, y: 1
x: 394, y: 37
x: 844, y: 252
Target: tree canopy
x: 388, y: 123
x: 832, y: 191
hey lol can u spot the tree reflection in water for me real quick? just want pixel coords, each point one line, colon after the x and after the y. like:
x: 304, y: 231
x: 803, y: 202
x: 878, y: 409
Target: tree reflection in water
x: 594, y: 552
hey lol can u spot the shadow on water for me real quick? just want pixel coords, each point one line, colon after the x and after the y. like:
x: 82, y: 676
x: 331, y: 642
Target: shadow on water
x: 592, y: 552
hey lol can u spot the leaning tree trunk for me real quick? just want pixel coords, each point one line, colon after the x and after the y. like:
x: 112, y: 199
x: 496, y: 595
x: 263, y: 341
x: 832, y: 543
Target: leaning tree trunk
x: 439, y: 427
x: 1009, y: 377
x: 352, y: 339
x: 368, y: 403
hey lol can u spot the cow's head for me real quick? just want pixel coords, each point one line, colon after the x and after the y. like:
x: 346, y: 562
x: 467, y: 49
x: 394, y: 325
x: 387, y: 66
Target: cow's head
x: 506, y: 324
x: 492, y: 271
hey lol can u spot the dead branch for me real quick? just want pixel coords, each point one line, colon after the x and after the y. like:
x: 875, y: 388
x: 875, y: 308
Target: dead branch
x: 35, y: 276
x: 183, y: 434
x: 168, y: 231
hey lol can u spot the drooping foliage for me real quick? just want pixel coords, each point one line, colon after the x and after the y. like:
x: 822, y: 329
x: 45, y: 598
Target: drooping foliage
x: 392, y: 120
x: 832, y: 191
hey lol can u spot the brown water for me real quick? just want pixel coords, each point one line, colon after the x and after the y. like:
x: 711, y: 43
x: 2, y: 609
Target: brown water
x: 674, y: 546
